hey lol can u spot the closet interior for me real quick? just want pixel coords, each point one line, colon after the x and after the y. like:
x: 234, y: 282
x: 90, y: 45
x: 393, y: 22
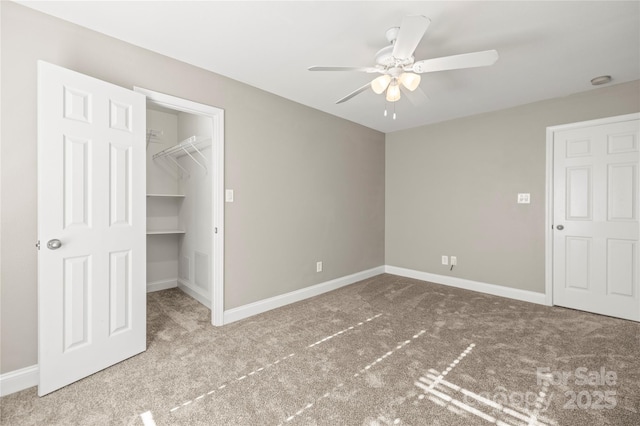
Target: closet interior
x: 179, y: 215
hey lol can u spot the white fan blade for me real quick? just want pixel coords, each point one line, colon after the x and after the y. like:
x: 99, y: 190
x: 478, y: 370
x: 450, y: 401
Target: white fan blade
x: 412, y: 30
x: 417, y: 97
x: 354, y: 93
x: 364, y: 69
x: 465, y: 60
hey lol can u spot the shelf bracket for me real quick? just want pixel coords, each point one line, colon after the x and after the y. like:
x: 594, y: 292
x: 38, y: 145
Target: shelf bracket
x: 179, y: 166
x: 194, y: 158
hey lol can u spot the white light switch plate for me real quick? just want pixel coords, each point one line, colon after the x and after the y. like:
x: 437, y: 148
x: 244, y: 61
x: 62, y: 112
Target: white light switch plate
x: 524, y: 198
x: 228, y: 195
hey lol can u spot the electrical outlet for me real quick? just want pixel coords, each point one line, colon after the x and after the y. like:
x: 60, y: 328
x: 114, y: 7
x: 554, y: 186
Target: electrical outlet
x: 228, y: 195
x: 318, y: 266
x: 445, y: 260
x: 454, y: 260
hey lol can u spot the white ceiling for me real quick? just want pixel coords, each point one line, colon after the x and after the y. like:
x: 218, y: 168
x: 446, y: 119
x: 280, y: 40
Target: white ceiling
x: 547, y: 49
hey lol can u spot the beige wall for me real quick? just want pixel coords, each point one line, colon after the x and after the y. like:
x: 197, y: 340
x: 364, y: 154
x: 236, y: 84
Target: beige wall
x: 451, y: 188
x: 308, y: 186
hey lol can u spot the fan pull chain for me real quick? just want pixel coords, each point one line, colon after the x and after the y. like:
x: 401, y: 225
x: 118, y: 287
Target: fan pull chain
x: 394, y: 110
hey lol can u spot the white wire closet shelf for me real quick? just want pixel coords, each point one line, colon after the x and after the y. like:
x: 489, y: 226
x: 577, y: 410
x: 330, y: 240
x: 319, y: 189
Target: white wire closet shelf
x: 188, y: 147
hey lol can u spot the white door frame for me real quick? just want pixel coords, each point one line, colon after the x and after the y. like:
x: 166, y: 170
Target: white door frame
x: 549, y: 191
x: 217, y: 196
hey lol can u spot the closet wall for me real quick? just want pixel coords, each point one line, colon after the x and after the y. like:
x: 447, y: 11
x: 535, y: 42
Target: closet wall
x: 179, y: 216
x: 195, y: 215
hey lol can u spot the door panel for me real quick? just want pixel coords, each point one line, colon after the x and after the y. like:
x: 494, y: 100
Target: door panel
x: 595, y: 255
x: 578, y: 261
x: 77, y: 301
x: 120, y: 116
x: 623, y: 191
x: 621, y: 277
x: 91, y: 289
x: 120, y: 185
x: 120, y: 291
x: 623, y: 142
x: 578, y: 147
x: 579, y: 193
x: 77, y: 105
x: 76, y: 181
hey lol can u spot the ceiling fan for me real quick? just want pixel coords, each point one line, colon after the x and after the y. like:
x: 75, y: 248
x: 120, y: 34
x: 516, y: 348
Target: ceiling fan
x: 398, y: 68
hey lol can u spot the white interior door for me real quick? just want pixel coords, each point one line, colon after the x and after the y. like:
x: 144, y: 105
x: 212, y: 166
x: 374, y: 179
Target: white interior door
x: 91, y: 225
x: 595, y: 236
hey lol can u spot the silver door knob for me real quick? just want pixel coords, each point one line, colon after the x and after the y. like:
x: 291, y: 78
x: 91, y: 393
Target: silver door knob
x: 559, y: 227
x: 54, y: 244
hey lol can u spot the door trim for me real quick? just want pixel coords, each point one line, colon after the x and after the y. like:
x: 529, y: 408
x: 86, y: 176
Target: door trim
x: 548, y: 237
x: 217, y: 196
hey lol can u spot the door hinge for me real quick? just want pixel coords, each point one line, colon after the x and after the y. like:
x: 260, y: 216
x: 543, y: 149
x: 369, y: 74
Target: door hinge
x: 38, y: 244
x: 215, y: 230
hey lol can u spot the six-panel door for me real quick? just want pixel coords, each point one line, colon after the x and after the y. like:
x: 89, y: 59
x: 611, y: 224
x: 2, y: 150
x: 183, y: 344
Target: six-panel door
x: 91, y: 198
x: 596, y: 219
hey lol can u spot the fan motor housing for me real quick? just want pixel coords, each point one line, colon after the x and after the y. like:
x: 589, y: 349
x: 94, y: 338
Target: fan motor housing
x: 384, y: 56
x: 392, y: 34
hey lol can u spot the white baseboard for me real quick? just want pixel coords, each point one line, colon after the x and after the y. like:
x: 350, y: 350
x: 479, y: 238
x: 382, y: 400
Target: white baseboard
x: 17, y: 380
x: 493, y: 289
x: 161, y: 285
x: 261, y: 306
x: 196, y: 293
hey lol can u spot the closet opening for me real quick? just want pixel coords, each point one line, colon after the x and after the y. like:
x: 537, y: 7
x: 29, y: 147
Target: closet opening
x: 185, y: 214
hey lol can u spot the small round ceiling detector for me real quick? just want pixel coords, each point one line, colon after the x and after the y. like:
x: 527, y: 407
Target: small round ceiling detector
x: 603, y: 79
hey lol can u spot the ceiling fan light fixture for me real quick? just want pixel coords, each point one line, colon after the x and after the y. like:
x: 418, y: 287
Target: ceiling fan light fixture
x: 397, y: 70
x: 410, y: 80
x: 380, y: 84
x: 393, y: 92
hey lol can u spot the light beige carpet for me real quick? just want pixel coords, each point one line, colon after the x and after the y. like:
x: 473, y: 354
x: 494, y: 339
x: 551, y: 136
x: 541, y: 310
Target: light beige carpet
x: 385, y: 351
